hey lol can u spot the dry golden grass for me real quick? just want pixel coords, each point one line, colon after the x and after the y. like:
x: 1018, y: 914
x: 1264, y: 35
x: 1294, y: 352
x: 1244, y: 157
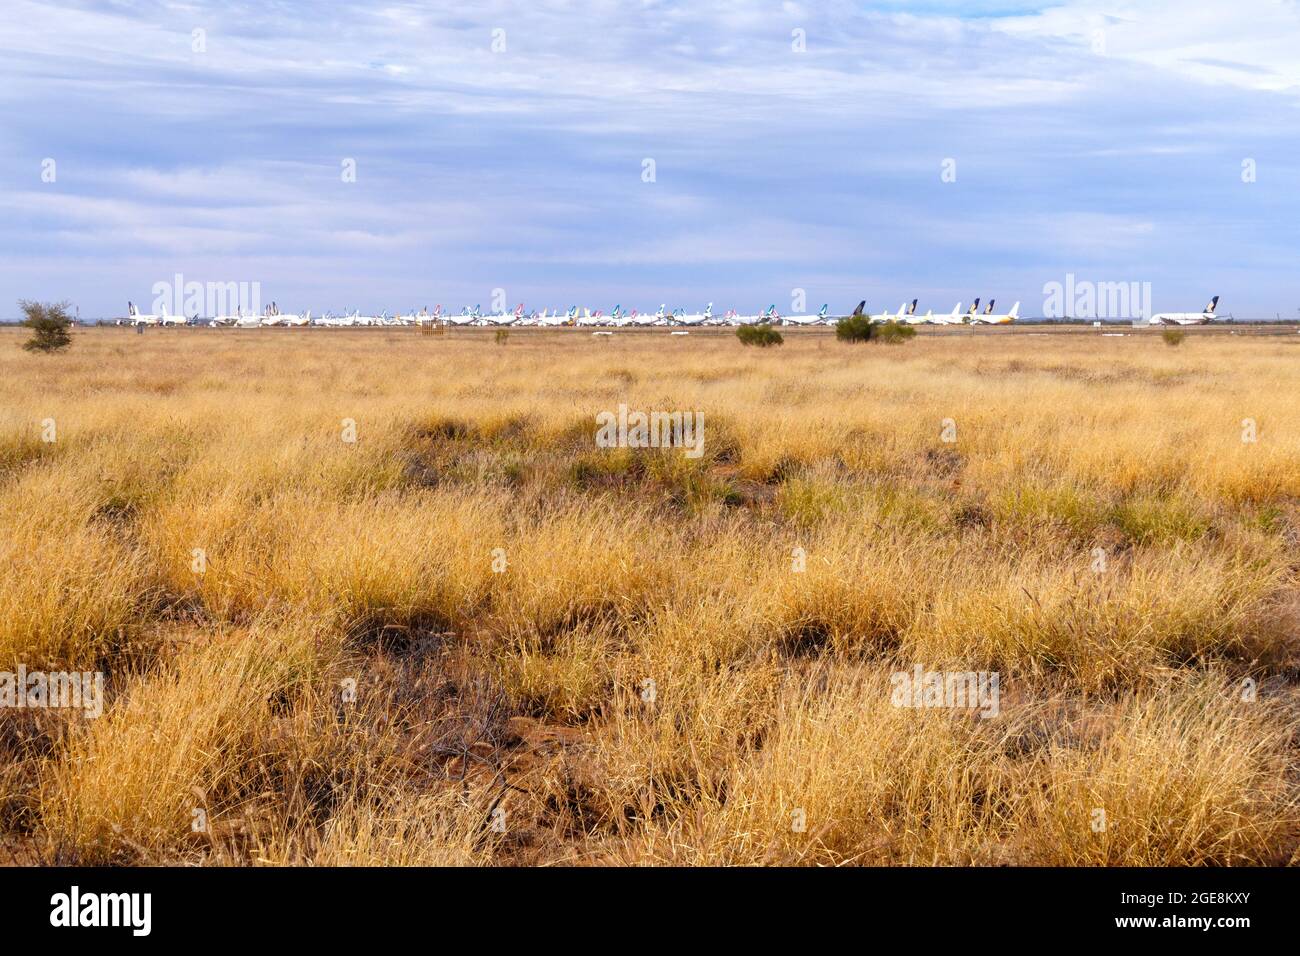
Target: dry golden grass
x: 649, y: 680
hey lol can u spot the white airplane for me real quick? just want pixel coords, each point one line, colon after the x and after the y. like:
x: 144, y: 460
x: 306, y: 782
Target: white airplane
x: 556, y: 318
x: 273, y: 316
x: 889, y: 317
x: 953, y: 318
x: 971, y: 313
x: 617, y: 318
x: 347, y: 320
x: 693, y: 318
x: 911, y: 318
x: 1186, y: 318
x: 805, y: 319
x: 767, y: 315
x: 642, y: 318
x: 990, y: 318
x: 137, y: 318
x: 467, y: 316
x: 504, y: 318
x: 169, y: 319
x: 228, y: 320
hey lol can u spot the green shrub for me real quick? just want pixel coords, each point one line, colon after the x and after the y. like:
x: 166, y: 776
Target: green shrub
x: 859, y: 328
x: 49, y: 324
x: 760, y: 335
x: 1173, y: 336
x: 854, y: 328
x: 892, y: 333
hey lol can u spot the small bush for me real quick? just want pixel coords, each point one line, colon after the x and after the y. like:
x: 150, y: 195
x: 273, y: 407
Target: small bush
x: 503, y: 336
x: 892, y: 333
x: 760, y: 335
x: 49, y: 324
x: 1173, y: 336
x: 854, y: 328
x: 859, y: 328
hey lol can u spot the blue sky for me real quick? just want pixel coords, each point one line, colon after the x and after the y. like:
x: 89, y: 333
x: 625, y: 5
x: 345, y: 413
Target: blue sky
x: 1100, y: 139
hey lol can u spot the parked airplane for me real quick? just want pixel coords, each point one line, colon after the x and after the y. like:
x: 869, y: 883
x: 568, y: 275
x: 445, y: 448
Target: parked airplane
x: 694, y: 318
x: 888, y: 316
x: 955, y: 317
x: 904, y: 313
x: 273, y: 316
x: 660, y: 317
x: 169, y: 319
x: 805, y: 319
x: 557, y: 318
x: 991, y: 318
x: 618, y: 317
x: 467, y: 316
x: 767, y: 315
x: 137, y: 318
x: 505, y: 318
x: 911, y: 318
x: 1187, y: 318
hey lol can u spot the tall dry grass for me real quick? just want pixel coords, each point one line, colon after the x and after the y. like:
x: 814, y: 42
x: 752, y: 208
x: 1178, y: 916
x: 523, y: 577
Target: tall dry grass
x: 473, y: 637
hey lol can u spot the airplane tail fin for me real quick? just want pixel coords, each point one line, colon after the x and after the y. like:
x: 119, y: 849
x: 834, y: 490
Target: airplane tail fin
x: 1214, y: 304
x: 974, y: 307
x: 988, y: 309
x: 861, y: 305
x: 1015, y: 311
x: 912, y: 308
x: 130, y: 309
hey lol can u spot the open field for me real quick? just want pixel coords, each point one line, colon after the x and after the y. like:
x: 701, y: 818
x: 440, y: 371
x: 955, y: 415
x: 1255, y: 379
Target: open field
x: 471, y: 636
